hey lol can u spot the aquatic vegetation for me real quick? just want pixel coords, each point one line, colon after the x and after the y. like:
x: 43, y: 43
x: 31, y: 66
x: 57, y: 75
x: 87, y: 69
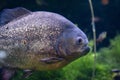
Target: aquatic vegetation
x: 111, y: 55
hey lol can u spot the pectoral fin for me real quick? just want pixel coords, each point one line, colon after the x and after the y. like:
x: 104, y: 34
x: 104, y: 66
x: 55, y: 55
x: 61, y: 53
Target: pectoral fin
x: 51, y: 60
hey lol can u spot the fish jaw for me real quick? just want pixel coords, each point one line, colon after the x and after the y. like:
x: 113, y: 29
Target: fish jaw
x: 86, y: 50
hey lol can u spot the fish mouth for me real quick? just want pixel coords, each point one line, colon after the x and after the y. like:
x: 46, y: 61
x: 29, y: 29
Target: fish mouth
x: 78, y: 54
x: 86, y: 50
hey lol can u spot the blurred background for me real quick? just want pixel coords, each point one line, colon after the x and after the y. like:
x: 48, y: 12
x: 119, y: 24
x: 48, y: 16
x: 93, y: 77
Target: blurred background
x: 107, y: 19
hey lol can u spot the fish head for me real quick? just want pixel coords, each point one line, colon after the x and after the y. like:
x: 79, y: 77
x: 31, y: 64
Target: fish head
x: 73, y: 43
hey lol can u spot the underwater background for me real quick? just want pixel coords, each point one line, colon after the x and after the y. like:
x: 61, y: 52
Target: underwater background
x: 107, y: 19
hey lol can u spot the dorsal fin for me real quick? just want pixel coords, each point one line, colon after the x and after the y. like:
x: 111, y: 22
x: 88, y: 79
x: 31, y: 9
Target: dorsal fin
x: 8, y: 15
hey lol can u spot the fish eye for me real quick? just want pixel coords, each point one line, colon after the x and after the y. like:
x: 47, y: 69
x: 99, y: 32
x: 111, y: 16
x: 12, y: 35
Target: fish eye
x: 79, y: 41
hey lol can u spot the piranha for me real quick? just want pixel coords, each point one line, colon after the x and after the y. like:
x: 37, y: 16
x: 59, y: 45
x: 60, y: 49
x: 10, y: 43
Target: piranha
x: 38, y: 41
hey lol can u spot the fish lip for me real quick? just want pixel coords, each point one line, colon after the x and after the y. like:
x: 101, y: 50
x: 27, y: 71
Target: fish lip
x: 86, y: 50
x: 77, y: 55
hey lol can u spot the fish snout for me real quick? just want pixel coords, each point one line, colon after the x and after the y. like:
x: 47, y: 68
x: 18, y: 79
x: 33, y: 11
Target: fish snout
x: 86, y: 50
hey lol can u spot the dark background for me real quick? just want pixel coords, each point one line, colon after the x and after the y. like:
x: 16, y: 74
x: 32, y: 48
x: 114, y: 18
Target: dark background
x: 107, y: 13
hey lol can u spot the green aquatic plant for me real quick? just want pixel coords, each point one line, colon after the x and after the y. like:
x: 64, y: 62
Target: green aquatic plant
x: 80, y: 69
x: 115, y: 49
x: 111, y: 55
x: 110, y: 58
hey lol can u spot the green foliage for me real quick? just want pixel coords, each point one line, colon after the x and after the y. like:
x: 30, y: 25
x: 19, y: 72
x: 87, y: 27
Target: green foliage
x: 115, y: 49
x: 79, y: 70
x: 111, y: 55
x: 40, y: 75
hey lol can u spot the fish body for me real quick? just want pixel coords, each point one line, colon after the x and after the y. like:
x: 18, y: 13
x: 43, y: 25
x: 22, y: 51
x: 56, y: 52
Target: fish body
x: 39, y: 40
x: 101, y: 37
